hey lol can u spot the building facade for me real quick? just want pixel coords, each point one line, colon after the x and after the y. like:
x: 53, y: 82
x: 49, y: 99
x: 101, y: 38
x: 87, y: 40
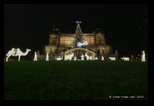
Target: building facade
x: 59, y: 42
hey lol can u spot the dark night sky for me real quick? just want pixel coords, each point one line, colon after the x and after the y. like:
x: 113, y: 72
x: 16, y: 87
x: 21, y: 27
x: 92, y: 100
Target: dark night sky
x: 28, y: 25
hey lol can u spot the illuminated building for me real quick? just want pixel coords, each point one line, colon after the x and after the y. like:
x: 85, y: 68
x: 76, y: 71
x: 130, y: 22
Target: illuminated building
x: 59, y: 43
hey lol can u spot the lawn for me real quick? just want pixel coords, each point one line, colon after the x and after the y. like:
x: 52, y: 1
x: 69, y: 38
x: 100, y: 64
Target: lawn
x: 75, y: 80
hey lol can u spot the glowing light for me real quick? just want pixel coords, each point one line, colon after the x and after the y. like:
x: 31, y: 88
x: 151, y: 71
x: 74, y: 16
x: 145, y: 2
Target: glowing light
x: 102, y: 58
x: 143, y: 56
x: 16, y: 52
x: 47, y: 56
x: 125, y: 58
x: 35, y: 56
x: 69, y: 56
x: 82, y: 57
x: 96, y: 58
x: 87, y: 57
x: 75, y: 58
x: 112, y: 58
x: 59, y: 58
x: 80, y: 44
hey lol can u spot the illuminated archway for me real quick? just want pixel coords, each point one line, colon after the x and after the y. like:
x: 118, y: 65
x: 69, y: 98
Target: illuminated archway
x: 76, y: 49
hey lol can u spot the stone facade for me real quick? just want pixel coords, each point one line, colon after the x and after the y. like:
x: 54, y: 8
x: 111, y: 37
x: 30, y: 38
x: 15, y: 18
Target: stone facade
x: 59, y: 43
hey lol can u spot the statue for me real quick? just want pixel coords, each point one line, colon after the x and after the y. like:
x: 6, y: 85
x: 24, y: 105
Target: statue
x: 80, y: 44
x: 102, y: 58
x: 75, y: 58
x: 96, y: 58
x: 59, y: 58
x: 125, y: 58
x: 69, y: 56
x: 82, y: 57
x: 112, y: 58
x: 87, y: 57
x: 90, y: 58
x: 143, y: 56
x: 47, y: 56
x: 16, y: 52
x: 35, y: 56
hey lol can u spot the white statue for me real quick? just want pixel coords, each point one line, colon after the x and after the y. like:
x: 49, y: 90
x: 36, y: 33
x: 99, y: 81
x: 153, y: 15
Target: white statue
x: 59, y: 58
x: 75, y: 58
x: 143, y: 56
x: 125, y: 58
x: 35, y: 56
x: 102, y: 58
x: 87, y: 57
x: 16, y: 52
x: 47, y: 56
x: 112, y: 58
x: 82, y: 57
x: 69, y: 56
x: 90, y: 58
x: 79, y: 44
x: 96, y: 58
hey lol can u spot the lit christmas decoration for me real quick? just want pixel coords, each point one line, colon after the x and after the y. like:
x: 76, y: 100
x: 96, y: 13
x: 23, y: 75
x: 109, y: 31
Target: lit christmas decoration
x: 16, y: 52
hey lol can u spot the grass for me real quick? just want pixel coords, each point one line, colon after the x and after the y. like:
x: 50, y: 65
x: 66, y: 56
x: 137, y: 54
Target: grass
x: 75, y: 80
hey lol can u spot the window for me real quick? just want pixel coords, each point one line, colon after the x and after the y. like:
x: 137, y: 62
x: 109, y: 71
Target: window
x: 67, y: 41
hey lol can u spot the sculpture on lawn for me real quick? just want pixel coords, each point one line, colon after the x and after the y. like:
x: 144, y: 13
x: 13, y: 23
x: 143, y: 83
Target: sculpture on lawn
x: 35, y: 56
x: 112, y: 58
x: 125, y: 58
x: 47, y: 56
x: 82, y: 57
x: 69, y: 56
x: 16, y: 52
x: 102, y: 58
x: 143, y: 56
